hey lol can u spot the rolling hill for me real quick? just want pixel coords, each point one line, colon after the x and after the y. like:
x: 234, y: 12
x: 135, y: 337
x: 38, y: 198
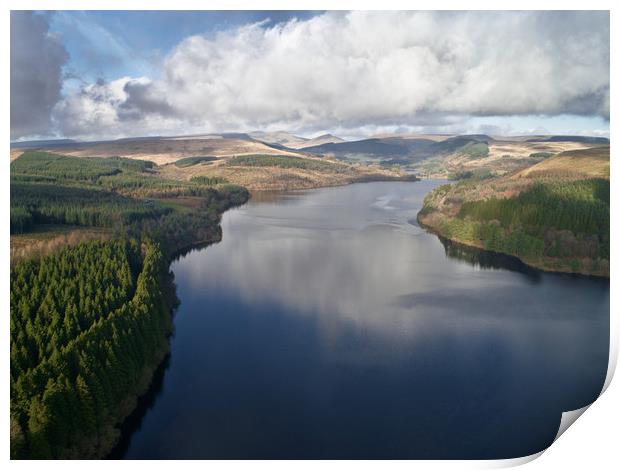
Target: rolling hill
x: 217, y: 156
x: 445, y: 155
x: 283, y: 139
x: 452, y: 156
x: 587, y: 163
x: 319, y: 140
x: 553, y: 215
x: 279, y: 138
x: 163, y: 150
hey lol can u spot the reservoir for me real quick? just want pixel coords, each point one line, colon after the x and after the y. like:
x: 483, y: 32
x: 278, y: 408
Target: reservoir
x: 327, y: 324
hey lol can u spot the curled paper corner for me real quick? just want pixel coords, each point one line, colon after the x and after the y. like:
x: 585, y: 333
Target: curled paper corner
x: 568, y: 418
x: 517, y: 461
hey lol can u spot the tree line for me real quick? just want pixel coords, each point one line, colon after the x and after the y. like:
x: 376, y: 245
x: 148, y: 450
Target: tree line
x: 43, y: 203
x: 131, y: 177
x: 60, y: 167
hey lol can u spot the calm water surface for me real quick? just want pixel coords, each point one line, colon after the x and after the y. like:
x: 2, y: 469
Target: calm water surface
x: 327, y: 324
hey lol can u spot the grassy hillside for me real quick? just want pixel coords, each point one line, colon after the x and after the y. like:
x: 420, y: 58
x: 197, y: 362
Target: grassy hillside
x: 281, y: 138
x: 553, y: 215
x: 279, y: 172
x: 283, y: 161
x: 587, y: 163
x: 319, y: 140
x: 380, y: 157
x: 502, y: 156
x: 445, y: 155
x: 162, y: 150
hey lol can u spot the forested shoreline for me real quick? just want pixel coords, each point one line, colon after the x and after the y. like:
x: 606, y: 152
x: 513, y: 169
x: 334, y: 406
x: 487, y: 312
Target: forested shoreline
x: 551, y: 225
x: 90, y: 322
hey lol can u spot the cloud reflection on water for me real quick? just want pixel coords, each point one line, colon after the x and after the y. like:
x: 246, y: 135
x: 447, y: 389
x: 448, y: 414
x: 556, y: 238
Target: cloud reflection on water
x: 355, y: 255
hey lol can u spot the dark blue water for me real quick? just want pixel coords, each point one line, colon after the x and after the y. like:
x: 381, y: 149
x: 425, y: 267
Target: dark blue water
x: 327, y: 324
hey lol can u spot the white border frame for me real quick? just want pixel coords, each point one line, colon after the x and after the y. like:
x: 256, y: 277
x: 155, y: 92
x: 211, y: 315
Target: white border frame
x: 592, y: 442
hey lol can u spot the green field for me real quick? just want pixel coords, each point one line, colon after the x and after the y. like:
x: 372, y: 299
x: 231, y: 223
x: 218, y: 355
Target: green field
x: 191, y: 161
x: 282, y: 161
x: 541, y: 155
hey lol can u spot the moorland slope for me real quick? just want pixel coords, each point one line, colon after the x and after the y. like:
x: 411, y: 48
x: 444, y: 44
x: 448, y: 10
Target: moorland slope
x: 553, y: 215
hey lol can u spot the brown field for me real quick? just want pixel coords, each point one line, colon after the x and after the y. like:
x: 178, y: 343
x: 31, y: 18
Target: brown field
x: 499, y: 148
x: 273, y: 178
x: 47, y: 238
x: 505, y: 157
x: 587, y: 163
x: 571, y: 165
x: 16, y: 153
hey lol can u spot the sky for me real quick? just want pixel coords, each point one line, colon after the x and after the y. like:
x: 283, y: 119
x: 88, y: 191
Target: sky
x: 110, y: 74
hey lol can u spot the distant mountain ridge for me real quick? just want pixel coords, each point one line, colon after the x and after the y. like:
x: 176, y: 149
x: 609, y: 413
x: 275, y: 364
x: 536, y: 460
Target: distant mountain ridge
x: 293, y: 141
x: 281, y: 138
x: 404, y: 149
x: 27, y: 144
x: 571, y: 138
x: 429, y: 154
x: 321, y: 140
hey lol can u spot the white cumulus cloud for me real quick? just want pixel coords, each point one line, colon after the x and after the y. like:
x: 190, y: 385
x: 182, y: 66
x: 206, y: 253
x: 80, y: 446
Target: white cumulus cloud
x: 348, y: 70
